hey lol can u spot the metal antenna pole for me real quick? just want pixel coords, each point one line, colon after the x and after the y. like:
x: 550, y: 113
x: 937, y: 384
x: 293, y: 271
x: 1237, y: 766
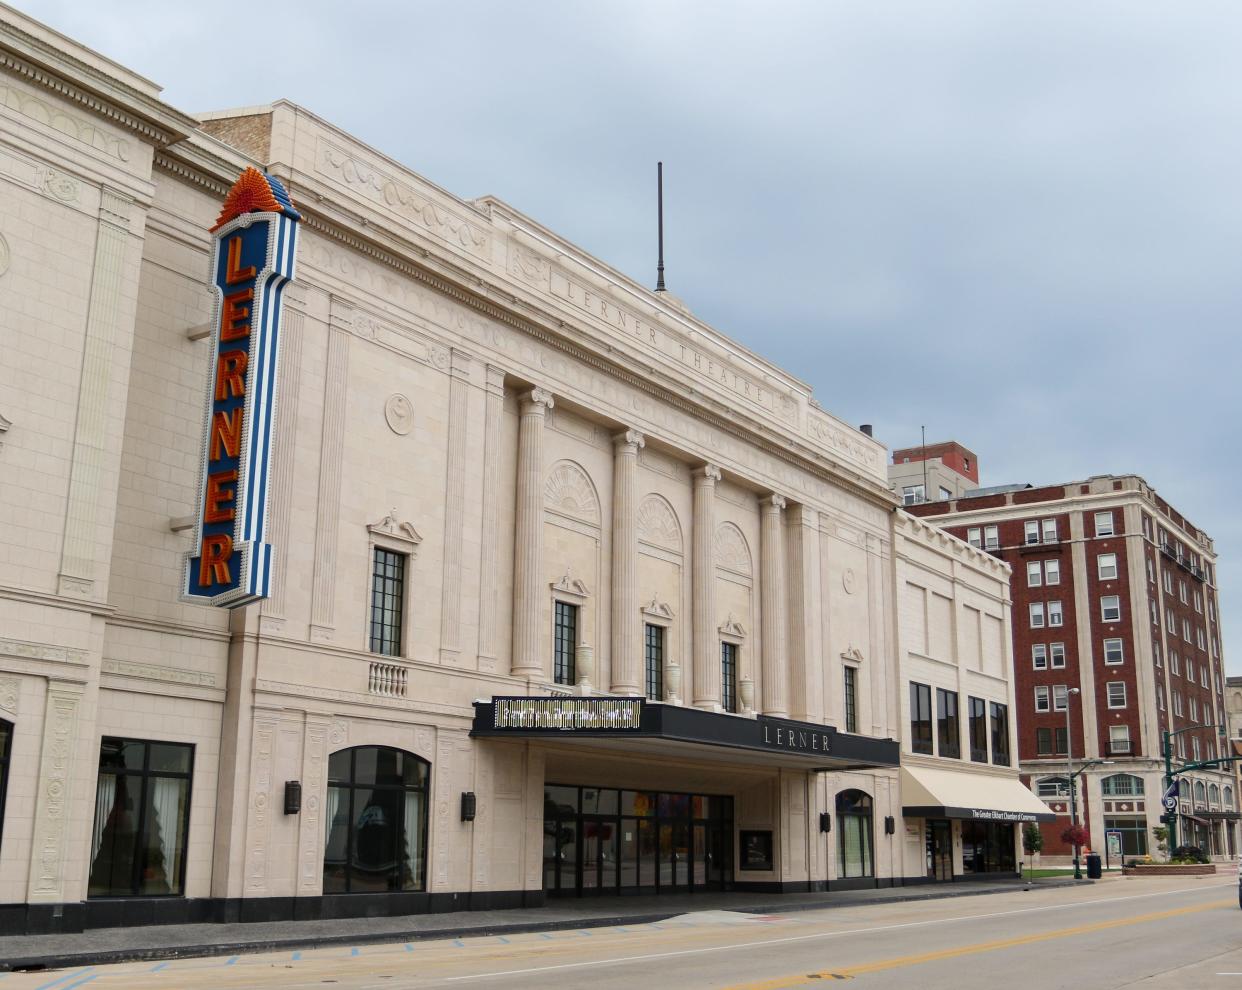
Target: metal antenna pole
x: 660, y: 225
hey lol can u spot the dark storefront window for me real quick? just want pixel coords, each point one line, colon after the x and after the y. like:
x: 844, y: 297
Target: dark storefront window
x: 728, y: 676
x: 851, y: 699
x: 387, y: 600
x: 142, y: 817
x: 564, y: 640
x: 947, y: 729
x: 988, y: 847
x: 920, y: 718
x: 655, y: 663
x: 978, y: 731
x: 1000, y: 734
x: 6, y: 743
x: 375, y: 821
x: 1133, y: 833
x: 600, y: 840
x: 854, y: 847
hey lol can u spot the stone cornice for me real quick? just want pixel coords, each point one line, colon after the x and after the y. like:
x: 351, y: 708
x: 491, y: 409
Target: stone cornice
x: 54, y: 67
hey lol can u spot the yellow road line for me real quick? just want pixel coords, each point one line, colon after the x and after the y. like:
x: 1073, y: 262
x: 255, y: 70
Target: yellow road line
x: 782, y: 983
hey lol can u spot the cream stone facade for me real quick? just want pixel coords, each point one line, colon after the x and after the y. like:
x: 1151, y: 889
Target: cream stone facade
x: 527, y: 435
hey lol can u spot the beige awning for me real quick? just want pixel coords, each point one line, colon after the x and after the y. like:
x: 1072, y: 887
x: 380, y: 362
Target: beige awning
x: 934, y: 793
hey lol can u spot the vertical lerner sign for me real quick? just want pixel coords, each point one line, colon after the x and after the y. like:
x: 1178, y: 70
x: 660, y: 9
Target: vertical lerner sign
x: 252, y: 262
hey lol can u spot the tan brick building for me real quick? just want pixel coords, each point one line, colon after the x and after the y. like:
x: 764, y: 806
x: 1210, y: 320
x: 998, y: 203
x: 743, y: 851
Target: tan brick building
x: 566, y: 583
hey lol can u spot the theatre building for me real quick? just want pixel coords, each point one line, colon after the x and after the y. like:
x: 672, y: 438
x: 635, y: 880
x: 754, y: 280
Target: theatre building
x: 543, y: 587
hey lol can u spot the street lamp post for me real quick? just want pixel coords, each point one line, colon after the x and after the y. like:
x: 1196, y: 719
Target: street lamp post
x: 1069, y: 774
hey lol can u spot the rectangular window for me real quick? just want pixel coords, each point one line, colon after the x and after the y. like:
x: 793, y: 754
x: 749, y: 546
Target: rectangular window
x: 1106, y: 566
x: 1160, y: 696
x: 1198, y: 754
x: 1050, y: 530
x: 1110, y: 608
x: 1031, y: 531
x: 978, y: 731
x: 948, y: 733
x: 1186, y: 630
x: 1055, y: 618
x: 1061, y: 737
x: 1194, y: 710
x: 1052, y: 572
x: 1037, y: 615
x: 387, y: 601
x: 913, y: 495
x: 1200, y: 639
x: 1114, y: 652
x: 851, y: 699
x: 1170, y: 620
x: 1116, y: 694
x: 1151, y: 571
x: 1174, y: 663
x: 1103, y: 524
x: 1041, y: 698
x: 1058, y: 655
x: 1060, y: 697
x: 1000, y: 734
x: 655, y: 662
x: 991, y: 537
x: 1043, y: 742
x: 1119, y: 739
x: 1034, y: 574
x: 564, y: 642
x: 1190, y: 670
x: 1039, y: 656
x: 974, y: 537
x: 920, y: 719
x: 1167, y: 578
x: 728, y: 676
x: 142, y: 818
x: 1155, y: 653
x: 1198, y: 603
x: 945, y: 494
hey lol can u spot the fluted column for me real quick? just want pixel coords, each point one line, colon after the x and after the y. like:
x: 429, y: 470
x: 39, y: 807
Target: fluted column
x: 806, y: 688
x: 489, y: 534
x: 772, y: 595
x: 706, y: 674
x: 625, y: 631
x: 528, y: 536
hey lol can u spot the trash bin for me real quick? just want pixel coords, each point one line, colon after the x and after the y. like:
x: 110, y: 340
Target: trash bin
x: 1094, y: 871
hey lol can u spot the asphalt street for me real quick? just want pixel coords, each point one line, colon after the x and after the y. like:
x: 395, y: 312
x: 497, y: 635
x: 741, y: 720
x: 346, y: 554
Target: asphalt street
x: 1180, y: 932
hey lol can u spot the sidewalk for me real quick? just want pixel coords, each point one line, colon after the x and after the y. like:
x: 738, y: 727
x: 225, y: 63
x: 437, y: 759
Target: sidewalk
x: 110, y: 945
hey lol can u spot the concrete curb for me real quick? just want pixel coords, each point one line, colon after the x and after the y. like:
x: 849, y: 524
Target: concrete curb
x: 103, y: 957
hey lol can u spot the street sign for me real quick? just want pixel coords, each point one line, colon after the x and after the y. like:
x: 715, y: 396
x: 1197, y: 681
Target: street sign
x: 1170, y: 795
x: 1113, y: 839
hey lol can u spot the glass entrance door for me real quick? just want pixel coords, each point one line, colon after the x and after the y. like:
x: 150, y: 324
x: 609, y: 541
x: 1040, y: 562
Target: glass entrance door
x: 939, y: 850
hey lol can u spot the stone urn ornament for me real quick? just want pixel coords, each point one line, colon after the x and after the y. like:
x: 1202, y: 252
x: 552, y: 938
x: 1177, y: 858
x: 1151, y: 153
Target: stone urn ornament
x: 746, y: 691
x: 584, y: 661
x: 672, y: 683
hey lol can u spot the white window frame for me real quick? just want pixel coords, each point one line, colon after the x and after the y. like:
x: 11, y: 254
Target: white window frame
x: 1056, y: 656
x: 1116, y: 694
x: 1114, y: 651
x: 1037, y: 615
x: 913, y: 495
x: 1166, y: 578
x: 1052, y: 572
x: 974, y: 536
x: 991, y: 537
x: 1104, y: 524
x: 1194, y: 746
x: 1198, y: 603
x: 1151, y: 571
x: 1048, y: 527
x: 1177, y: 705
x: 1042, y: 699
x: 1030, y: 532
x: 944, y: 494
x: 1060, y: 697
x: 1119, y: 738
x: 1194, y: 709
x: 1034, y: 574
x: 1160, y: 696
x: 1039, y: 656
x: 1106, y: 566
x: 1104, y: 608
x: 1186, y: 631
x: 1056, y: 616
x: 1183, y: 593
x: 1175, y: 663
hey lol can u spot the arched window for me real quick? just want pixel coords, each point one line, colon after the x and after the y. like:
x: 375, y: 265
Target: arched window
x: 1228, y: 795
x: 375, y: 821
x: 1052, y: 787
x: 6, y: 743
x: 1214, y: 795
x: 854, y: 835
x: 1200, y: 794
x: 1122, y: 785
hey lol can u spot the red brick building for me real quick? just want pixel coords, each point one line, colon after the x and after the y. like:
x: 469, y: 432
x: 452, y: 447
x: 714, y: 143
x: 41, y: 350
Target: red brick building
x: 1116, y: 640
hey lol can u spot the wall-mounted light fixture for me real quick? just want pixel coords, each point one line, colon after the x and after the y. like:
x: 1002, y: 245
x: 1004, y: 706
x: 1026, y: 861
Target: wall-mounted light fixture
x: 293, y: 797
x: 890, y: 825
x: 469, y: 804
x: 825, y: 822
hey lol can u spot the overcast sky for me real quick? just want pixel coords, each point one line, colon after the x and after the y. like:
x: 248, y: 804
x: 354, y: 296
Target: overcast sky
x: 1015, y: 223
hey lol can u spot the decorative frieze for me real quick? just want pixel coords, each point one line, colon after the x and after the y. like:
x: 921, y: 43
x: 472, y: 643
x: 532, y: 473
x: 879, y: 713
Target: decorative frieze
x: 154, y: 672
x: 50, y: 839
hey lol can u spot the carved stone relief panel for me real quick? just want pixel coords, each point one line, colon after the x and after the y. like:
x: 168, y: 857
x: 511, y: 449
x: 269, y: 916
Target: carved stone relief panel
x: 732, y: 552
x: 569, y: 491
x: 657, y: 523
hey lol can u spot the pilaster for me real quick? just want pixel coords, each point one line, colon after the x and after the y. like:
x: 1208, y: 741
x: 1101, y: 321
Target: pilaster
x: 625, y: 616
x: 454, y: 508
x: 528, y: 536
x: 775, y: 661
x: 489, y: 554
x: 706, y: 672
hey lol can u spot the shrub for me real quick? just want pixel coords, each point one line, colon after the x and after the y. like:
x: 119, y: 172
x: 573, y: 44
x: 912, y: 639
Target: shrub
x: 1189, y: 854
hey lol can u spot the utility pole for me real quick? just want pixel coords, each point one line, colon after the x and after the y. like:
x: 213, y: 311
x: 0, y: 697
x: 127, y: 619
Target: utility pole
x: 1168, y: 784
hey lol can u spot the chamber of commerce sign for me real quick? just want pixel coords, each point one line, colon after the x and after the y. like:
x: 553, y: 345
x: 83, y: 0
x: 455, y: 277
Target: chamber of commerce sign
x: 567, y: 714
x: 252, y: 263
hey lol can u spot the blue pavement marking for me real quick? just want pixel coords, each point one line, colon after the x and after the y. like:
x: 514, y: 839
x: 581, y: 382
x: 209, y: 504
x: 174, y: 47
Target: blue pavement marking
x: 541, y: 935
x: 232, y: 959
x: 409, y: 947
x: 85, y: 979
x: 583, y: 931
x: 62, y: 979
x: 297, y: 956
x: 157, y: 967
x: 459, y: 943
x: 353, y: 951
x: 503, y: 939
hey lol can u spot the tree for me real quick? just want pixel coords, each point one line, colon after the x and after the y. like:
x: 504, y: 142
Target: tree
x: 1161, y: 832
x: 1076, y: 836
x: 1032, y: 842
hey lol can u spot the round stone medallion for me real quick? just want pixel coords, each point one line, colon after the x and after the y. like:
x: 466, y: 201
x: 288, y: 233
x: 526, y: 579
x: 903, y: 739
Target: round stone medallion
x: 400, y: 414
